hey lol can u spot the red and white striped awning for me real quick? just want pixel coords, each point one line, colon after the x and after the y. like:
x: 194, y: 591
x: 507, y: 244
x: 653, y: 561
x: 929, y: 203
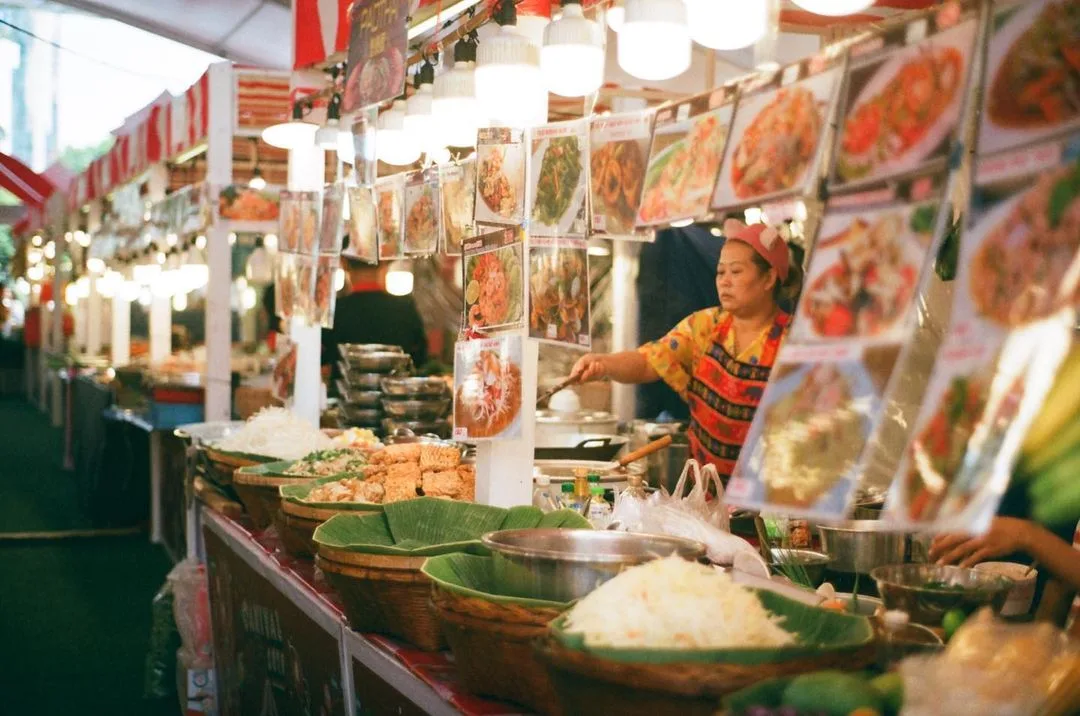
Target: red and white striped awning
x: 30, y: 187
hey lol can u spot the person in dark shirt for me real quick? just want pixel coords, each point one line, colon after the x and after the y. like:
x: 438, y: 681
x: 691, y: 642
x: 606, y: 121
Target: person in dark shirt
x: 368, y: 314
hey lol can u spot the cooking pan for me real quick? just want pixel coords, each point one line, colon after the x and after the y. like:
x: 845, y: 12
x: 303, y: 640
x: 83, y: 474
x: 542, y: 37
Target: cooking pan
x: 598, y: 449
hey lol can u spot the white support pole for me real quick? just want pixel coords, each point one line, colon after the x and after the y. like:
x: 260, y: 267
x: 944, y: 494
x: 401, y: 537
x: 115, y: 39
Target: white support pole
x: 218, y: 250
x: 120, y: 341
x: 624, y: 319
x: 307, y: 167
x: 157, y: 185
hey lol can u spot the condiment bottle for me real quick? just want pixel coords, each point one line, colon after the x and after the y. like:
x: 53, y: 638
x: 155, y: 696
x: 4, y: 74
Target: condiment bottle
x: 599, y: 509
x: 542, y: 496
x: 566, y: 496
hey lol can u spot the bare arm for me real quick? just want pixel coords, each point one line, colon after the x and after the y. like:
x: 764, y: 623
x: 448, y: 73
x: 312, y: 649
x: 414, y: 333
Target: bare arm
x: 625, y: 367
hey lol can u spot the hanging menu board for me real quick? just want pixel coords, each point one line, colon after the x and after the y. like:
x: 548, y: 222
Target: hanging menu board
x: 390, y: 195
x: 1031, y: 87
x: 558, y: 179
x: 559, y: 290
x: 331, y: 221
x: 377, y: 53
x: 903, y: 99
x: 618, y: 151
x: 487, y: 388
x: 500, y: 176
x: 494, y: 289
x: 364, y: 225
x: 457, y: 187
x: 422, y: 212
x: 684, y: 157
x: 776, y: 135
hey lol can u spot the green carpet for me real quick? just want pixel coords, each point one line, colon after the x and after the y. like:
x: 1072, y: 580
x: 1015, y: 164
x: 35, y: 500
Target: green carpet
x: 74, y: 613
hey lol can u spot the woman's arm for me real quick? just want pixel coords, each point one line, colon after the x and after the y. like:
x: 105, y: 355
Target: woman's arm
x: 625, y: 367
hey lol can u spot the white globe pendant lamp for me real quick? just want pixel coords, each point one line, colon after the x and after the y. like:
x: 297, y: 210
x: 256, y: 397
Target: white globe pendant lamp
x: 727, y: 24
x: 293, y: 134
x: 393, y: 144
x: 572, y: 58
x: 509, y: 83
x: 834, y: 8
x: 419, y: 118
x: 455, y: 107
x: 616, y: 16
x: 654, y: 43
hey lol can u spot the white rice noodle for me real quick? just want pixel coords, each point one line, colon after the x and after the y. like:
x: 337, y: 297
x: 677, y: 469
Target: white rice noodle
x: 277, y: 433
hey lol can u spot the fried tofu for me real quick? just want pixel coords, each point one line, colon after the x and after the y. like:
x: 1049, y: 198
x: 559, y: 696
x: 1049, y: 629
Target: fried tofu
x: 375, y: 474
x: 394, y: 454
x: 442, y: 484
x: 439, y: 457
x: 467, y: 473
x: 398, y: 490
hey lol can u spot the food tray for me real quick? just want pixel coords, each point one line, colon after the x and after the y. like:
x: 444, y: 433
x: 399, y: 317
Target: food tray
x: 418, y: 410
x: 415, y: 387
x: 349, y: 350
x: 362, y: 417
x: 359, y: 380
x: 381, y: 362
x: 356, y: 397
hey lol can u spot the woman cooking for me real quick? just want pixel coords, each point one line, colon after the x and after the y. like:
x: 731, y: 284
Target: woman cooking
x: 719, y: 359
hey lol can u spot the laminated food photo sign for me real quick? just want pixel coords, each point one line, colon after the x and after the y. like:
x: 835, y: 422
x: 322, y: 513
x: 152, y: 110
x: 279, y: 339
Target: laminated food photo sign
x: 364, y: 225
x: 378, y: 52
x: 422, y: 212
x: 493, y: 278
x: 299, y: 221
x: 618, y: 152
x: 558, y: 179
x: 904, y: 98
x: 331, y: 222
x: 390, y: 195
x: 457, y: 189
x: 559, y: 291
x: 487, y: 388
x: 500, y: 177
x: 776, y: 136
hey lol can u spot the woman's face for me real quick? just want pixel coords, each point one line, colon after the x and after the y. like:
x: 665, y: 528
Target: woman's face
x: 742, y: 285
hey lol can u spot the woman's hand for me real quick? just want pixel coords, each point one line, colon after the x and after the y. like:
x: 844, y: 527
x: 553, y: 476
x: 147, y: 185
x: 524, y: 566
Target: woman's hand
x: 589, y: 368
x: 1005, y: 536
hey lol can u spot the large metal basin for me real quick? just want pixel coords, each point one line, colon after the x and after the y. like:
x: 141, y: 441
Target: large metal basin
x: 861, y: 545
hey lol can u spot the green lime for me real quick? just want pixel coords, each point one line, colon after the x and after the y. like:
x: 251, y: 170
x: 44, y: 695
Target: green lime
x: 952, y: 621
x: 891, y: 688
x: 472, y: 292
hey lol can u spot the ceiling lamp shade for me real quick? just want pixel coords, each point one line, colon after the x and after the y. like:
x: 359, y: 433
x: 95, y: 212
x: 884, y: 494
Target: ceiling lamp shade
x: 292, y: 134
x: 393, y: 144
x: 727, y: 24
x: 572, y: 58
x: 419, y: 119
x: 509, y: 84
x: 455, y: 107
x: 654, y: 43
x: 616, y: 16
x: 834, y: 8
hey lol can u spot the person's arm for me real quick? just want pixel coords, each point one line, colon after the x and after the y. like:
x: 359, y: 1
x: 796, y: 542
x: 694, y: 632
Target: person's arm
x: 1005, y: 536
x: 625, y: 367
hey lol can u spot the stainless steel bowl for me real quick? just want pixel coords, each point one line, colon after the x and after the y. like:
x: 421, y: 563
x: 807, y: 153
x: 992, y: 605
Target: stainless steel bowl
x: 813, y: 563
x: 415, y: 387
x: 359, y: 380
x: 359, y: 398
x: 861, y: 545
x: 562, y: 565
x: 348, y: 350
x: 927, y: 591
x: 441, y: 428
x: 379, y: 362
x: 432, y: 409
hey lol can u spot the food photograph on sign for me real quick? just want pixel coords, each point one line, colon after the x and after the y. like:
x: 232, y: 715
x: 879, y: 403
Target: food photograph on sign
x: 285, y: 285
x: 377, y: 53
x: 493, y: 280
x: 559, y: 291
x: 325, y: 297
x: 1032, y: 79
x: 902, y: 106
x: 559, y: 179
x: 422, y: 213
x: 500, y: 176
x: 237, y: 202
x: 363, y: 224
x: 618, y: 151
x: 310, y: 221
x: 1019, y: 257
x: 864, y: 273
x: 457, y: 187
x: 804, y: 447
x: 684, y: 157
x: 775, y: 140
x: 333, y: 209
x: 487, y: 388
x: 390, y: 194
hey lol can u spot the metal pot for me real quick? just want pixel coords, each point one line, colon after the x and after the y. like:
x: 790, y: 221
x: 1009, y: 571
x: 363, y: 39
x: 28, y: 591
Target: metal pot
x: 562, y: 564
x: 861, y: 545
x: 559, y: 429
x: 662, y: 468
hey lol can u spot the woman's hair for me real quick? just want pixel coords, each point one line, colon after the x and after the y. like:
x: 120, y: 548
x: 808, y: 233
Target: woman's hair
x: 786, y: 292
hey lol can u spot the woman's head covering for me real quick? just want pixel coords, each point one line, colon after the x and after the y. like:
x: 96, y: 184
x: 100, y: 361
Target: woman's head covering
x: 763, y: 239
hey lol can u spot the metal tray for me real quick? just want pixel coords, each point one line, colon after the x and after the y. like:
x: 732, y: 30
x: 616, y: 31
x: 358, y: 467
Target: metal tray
x: 349, y: 350
x: 415, y: 387
x: 379, y: 362
x: 359, y: 380
x: 421, y: 410
x: 442, y: 428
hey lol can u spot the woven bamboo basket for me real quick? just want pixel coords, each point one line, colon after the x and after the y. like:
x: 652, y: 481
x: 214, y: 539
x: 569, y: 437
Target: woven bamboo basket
x: 675, y: 689
x: 296, y: 534
x: 222, y: 465
x: 259, y: 494
x: 493, y: 648
x: 384, y: 594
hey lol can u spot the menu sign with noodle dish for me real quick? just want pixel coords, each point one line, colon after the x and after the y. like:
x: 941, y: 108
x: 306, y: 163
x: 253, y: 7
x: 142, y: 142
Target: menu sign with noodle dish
x: 487, y: 388
x: 377, y: 53
x: 390, y: 203
x: 493, y: 279
x: 903, y: 99
x: 618, y: 152
x: 559, y: 291
x: 422, y: 212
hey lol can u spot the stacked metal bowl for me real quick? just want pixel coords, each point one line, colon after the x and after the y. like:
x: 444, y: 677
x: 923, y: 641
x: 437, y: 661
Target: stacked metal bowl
x: 363, y: 367
x: 422, y: 405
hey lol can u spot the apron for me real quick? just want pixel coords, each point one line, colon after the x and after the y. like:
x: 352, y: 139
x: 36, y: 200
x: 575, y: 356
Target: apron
x: 724, y: 394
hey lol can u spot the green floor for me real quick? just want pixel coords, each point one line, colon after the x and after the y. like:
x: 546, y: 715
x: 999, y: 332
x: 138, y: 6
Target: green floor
x: 74, y: 613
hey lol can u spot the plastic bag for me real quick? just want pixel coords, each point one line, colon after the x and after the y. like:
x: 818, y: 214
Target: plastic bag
x: 667, y: 518
x: 158, y: 681
x: 697, y: 502
x: 191, y: 609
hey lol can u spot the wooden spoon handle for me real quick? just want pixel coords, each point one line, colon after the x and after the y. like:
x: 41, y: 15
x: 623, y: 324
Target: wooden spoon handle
x: 645, y: 451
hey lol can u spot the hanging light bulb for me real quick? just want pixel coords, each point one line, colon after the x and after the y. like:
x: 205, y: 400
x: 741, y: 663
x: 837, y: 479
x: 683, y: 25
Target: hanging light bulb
x: 179, y: 302
x: 419, y: 120
x: 616, y: 15
x: 392, y: 143
x: 326, y: 137
x: 399, y: 279
x: 259, y: 269
x: 654, y: 43
x: 727, y: 24
x: 509, y: 83
x: 572, y: 58
x: 834, y: 8
x: 454, y: 105
x: 292, y: 134
x: 257, y: 182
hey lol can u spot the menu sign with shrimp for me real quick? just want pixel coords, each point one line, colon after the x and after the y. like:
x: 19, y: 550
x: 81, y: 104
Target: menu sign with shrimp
x: 903, y: 98
x: 487, y: 388
x: 618, y: 150
x: 500, y: 176
x: 684, y: 157
x: 493, y: 280
x: 776, y: 136
x: 559, y: 291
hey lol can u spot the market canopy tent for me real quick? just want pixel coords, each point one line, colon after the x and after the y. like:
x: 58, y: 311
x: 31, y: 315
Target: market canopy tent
x: 27, y: 185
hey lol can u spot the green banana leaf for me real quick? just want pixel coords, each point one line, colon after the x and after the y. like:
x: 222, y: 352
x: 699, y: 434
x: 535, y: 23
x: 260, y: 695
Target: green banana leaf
x: 429, y: 526
x: 471, y: 575
x: 817, y: 631
x: 297, y: 494
x: 245, y: 455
